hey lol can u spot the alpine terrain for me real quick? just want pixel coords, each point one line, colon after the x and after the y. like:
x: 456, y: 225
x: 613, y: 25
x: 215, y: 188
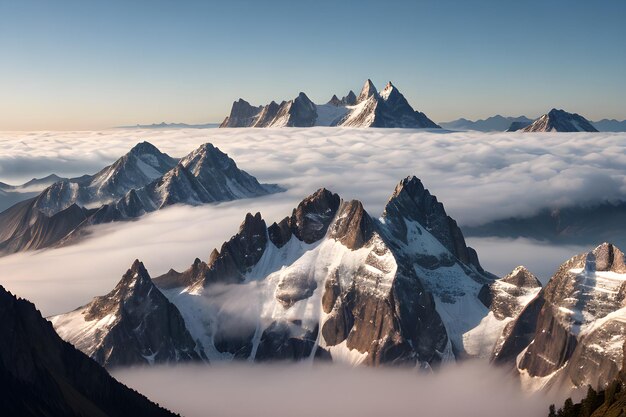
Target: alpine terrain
x: 370, y: 108
x: 328, y: 282
x: 142, y: 181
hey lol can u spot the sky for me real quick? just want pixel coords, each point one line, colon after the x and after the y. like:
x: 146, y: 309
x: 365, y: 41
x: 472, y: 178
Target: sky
x: 68, y: 65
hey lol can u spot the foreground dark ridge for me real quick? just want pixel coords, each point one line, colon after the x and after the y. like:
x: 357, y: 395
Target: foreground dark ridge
x: 41, y: 375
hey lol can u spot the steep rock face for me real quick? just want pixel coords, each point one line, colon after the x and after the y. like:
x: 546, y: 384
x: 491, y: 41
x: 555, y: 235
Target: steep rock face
x: 507, y: 298
x: 385, y: 297
x: 133, y: 324
x: 368, y: 90
x: 242, y: 114
x: 411, y: 197
x: 299, y: 112
x: 580, y: 328
x: 349, y: 99
x: 387, y: 109
x: 560, y: 121
x: 40, y: 374
x: 267, y: 114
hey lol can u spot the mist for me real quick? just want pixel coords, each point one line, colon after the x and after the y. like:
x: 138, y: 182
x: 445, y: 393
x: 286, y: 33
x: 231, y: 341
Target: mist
x: 469, y: 389
x: 479, y: 177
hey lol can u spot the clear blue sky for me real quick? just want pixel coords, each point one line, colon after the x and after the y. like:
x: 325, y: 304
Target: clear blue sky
x: 95, y: 64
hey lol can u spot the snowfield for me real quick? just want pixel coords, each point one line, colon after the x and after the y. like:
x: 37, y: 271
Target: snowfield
x: 478, y: 176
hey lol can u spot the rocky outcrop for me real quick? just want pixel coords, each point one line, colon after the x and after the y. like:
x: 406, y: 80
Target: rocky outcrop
x: 560, y: 121
x: 242, y: 114
x: 578, y: 333
x: 411, y: 201
x: 40, y: 374
x: 133, y: 324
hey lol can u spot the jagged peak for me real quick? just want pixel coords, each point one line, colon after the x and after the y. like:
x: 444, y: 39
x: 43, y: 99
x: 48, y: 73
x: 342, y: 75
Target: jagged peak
x: 605, y: 257
x: 411, y: 185
x: 367, y: 91
x: 522, y: 277
x: 251, y: 222
x: 310, y: 220
x: 349, y: 99
x: 143, y: 148
x: 137, y: 271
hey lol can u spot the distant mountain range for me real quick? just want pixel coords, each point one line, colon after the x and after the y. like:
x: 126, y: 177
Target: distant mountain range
x: 164, y: 125
x: 495, y: 123
x: 370, y: 108
x: 12, y: 194
x: 606, y: 125
x: 555, y: 121
x: 142, y: 181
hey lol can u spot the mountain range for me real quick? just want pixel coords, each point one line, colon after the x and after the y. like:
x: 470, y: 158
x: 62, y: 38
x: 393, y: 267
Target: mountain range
x: 331, y: 283
x: 495, y: 123
x: 573, y: 225
x: 328, y: 282
x: 141, y: 181
x: 387, y: 108
x: 555, y: 121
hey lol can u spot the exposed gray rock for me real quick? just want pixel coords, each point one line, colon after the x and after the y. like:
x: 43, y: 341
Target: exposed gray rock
x: 133, y: 324
x: 579, y: 331
x: 242, y: 114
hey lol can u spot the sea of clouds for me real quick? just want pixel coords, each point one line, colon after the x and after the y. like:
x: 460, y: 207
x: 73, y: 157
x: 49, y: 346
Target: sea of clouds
x: 479, y: 177
x: 470, y: 389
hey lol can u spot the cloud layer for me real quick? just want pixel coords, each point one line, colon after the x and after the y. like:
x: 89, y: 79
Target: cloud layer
x: 478, y: 176
x: 472, y: 389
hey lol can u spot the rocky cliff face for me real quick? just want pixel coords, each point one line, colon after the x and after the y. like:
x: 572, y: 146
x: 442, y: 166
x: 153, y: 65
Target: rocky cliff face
x: 133, y: 324
x: 579, y: 330
x: 508, y: 299
x: 560, y: 121
x: 40, y: 374
x: 331, y: 282
x: 370, y: 109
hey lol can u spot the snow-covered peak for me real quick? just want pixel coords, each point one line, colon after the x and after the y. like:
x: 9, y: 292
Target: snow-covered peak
x: 389, y: 88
